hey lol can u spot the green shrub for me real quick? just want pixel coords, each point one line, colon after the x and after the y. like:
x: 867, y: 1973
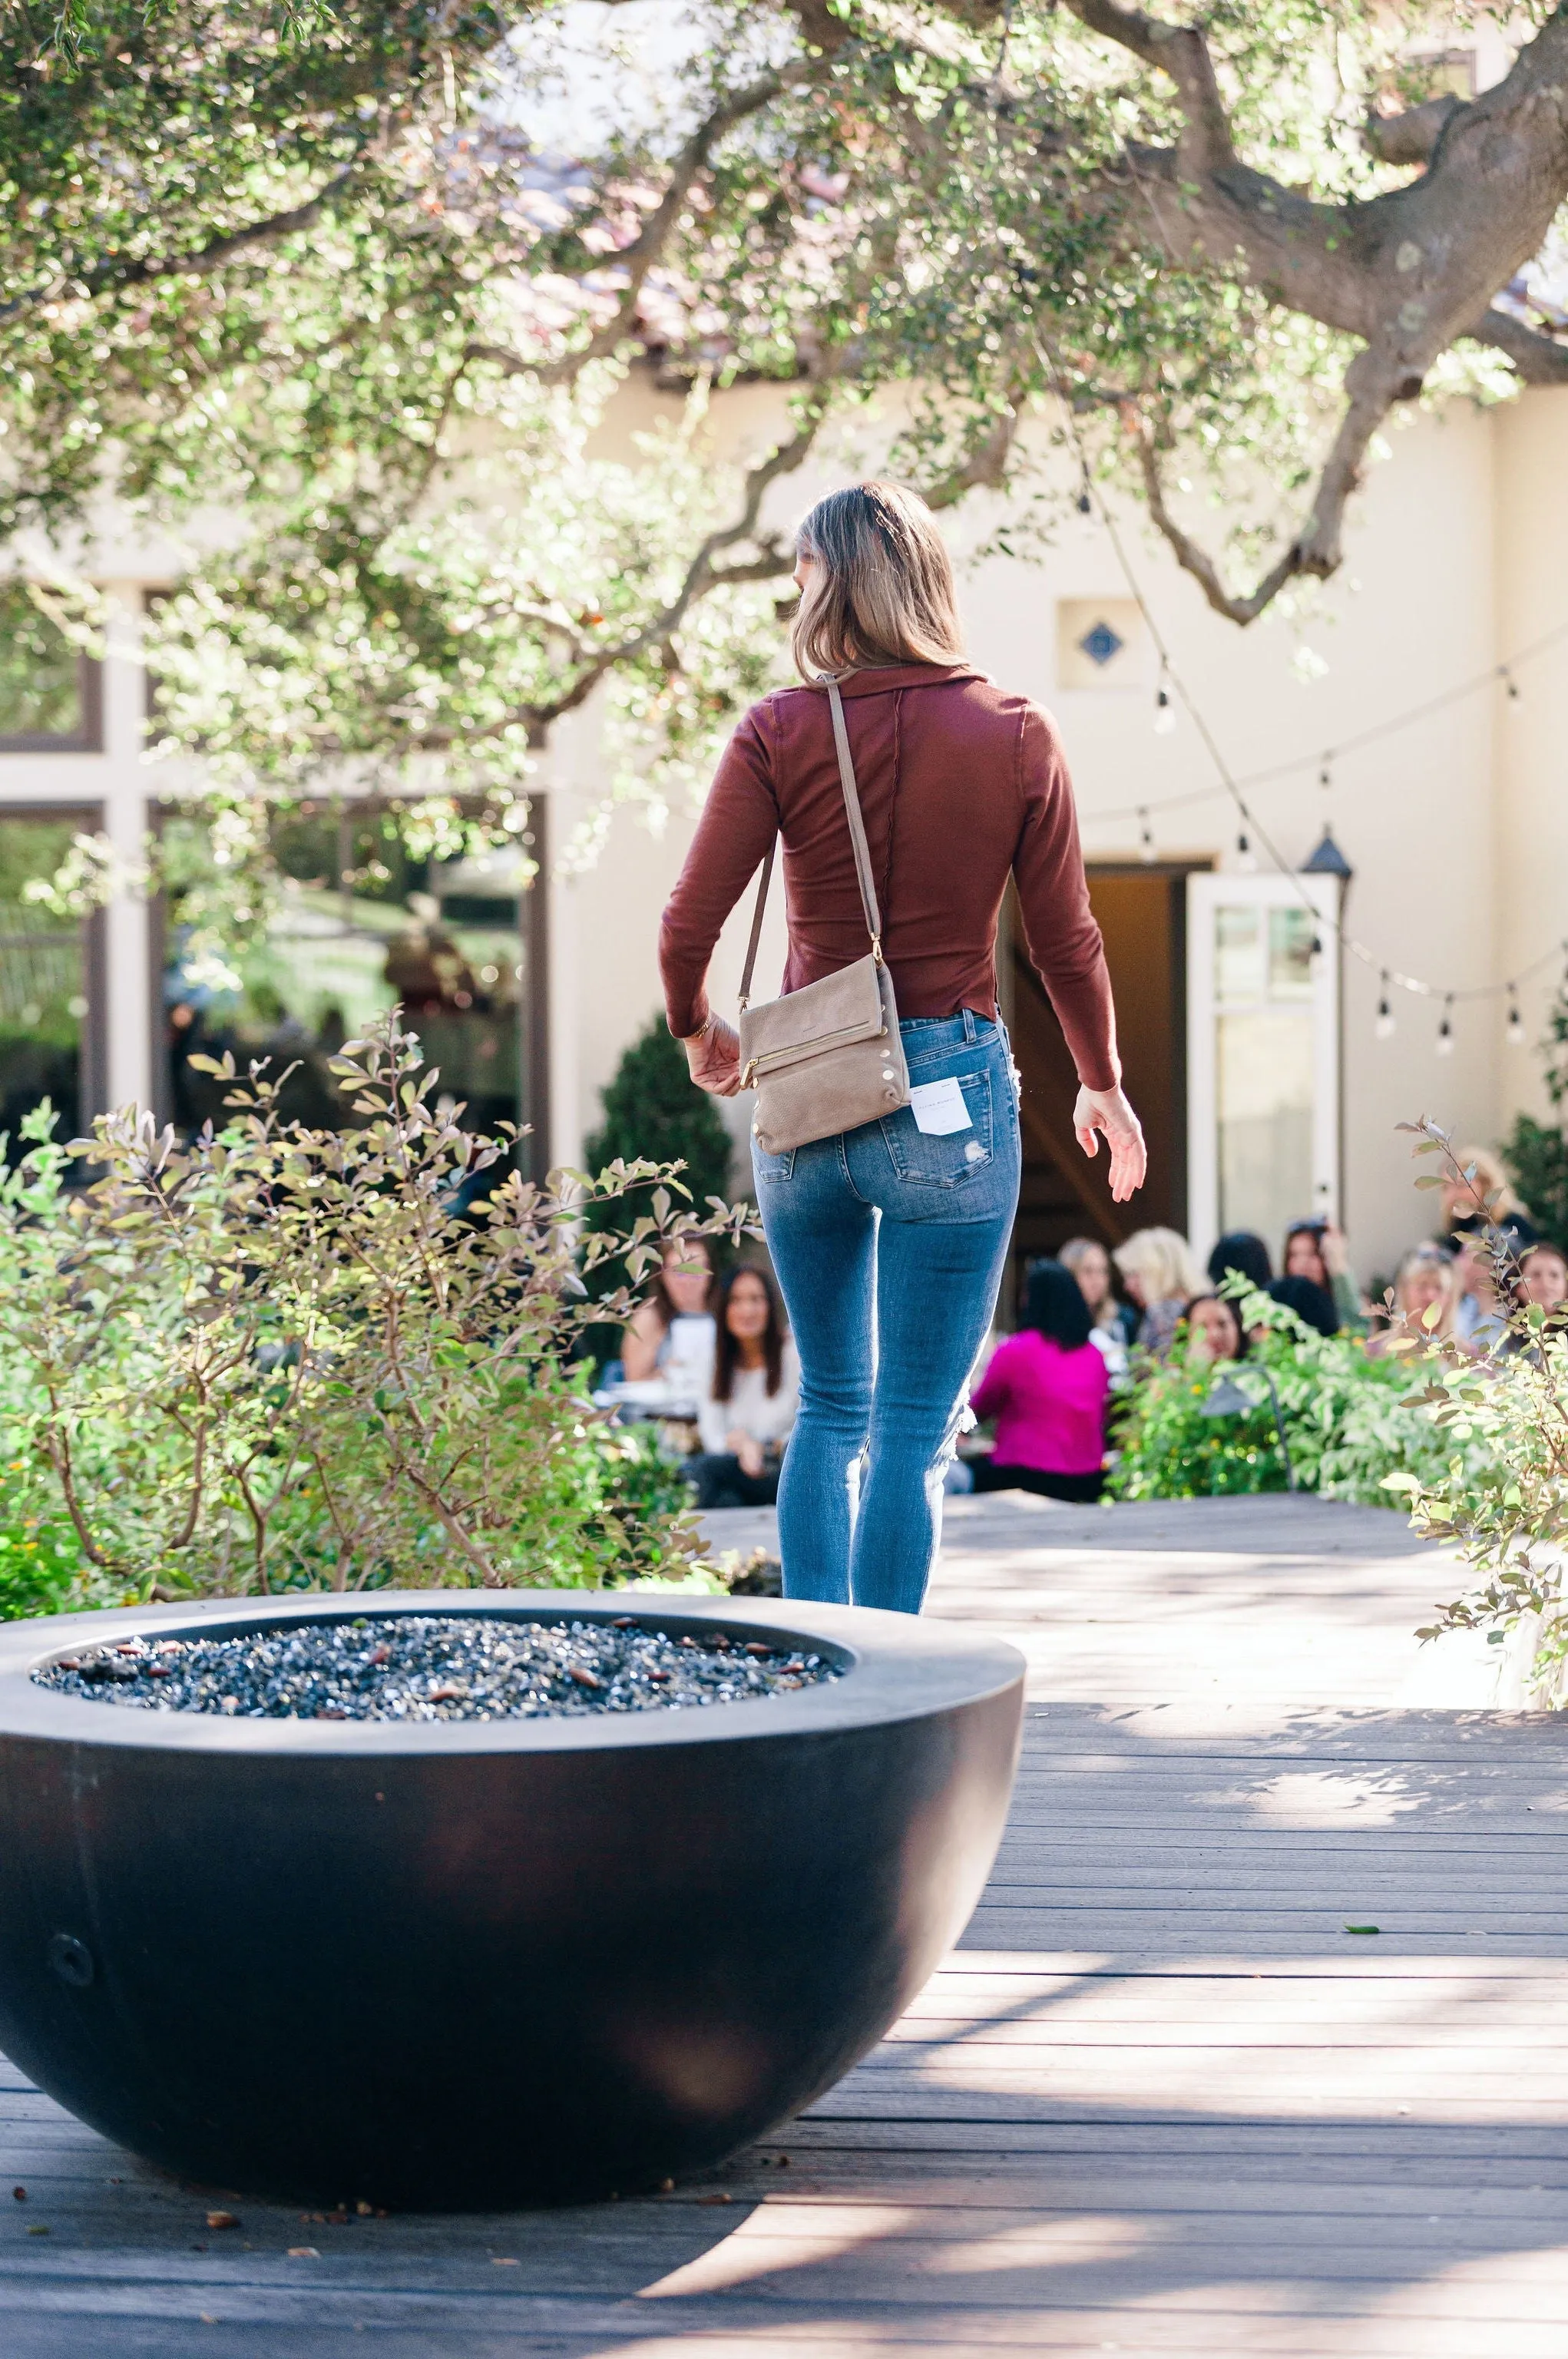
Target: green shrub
x: 279, y: 1358
x: 1537, y: 1152
x: 1500, y: 1495
x: 651, y: 1110
x: 1349, y: 1420
x: 653, y: 1113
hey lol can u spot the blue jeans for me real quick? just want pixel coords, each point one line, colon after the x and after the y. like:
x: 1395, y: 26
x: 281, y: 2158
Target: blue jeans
x: 889, y: 1243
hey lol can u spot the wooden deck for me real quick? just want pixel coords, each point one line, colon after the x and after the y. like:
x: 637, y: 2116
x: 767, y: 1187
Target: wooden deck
x: 1160, y: 2102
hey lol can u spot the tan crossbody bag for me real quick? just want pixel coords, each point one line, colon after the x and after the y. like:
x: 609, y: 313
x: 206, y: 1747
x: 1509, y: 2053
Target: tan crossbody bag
x: 827, y: 1058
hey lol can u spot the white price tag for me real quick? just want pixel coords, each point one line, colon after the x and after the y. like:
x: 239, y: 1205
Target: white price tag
x: 938, y: 1107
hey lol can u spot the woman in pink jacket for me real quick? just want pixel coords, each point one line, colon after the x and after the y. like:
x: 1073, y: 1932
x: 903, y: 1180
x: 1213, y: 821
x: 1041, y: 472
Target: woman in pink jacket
x: 1047, y: 1388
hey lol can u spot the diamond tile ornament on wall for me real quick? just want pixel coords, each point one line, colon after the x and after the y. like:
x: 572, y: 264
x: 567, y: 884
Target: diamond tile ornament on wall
x: 1103, y: 646
x: 1100, y: 643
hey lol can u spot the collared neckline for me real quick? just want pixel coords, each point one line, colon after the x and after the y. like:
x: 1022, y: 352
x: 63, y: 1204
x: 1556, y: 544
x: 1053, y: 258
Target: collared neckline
x: 880, y: 680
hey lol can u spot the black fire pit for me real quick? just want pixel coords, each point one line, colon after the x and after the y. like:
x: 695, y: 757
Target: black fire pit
x: 454, y: 1962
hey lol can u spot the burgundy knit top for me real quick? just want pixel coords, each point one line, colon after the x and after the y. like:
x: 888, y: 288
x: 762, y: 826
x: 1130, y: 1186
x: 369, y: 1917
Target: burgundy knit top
x: 962, y: 785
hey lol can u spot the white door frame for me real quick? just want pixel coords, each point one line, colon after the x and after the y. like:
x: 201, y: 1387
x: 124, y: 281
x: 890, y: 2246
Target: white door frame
x: 1206, y: 891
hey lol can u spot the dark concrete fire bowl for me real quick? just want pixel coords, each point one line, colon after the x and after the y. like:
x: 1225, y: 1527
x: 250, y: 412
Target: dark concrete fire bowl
x: 482, y: 1964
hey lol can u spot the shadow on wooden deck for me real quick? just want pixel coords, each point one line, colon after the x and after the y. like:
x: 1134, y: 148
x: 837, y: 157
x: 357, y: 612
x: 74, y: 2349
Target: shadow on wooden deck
x: 1158, y: 2101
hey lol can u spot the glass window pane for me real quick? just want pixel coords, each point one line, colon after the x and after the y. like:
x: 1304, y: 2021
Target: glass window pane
x: 1239, y: 952
x: 1291, y: 936
x: 43, y: 989
x: 360, y: 927
x: 1264, y: 1074
x: 40, y: 693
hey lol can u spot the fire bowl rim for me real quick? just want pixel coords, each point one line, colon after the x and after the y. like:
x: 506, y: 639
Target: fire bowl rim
x: 895, y: 1666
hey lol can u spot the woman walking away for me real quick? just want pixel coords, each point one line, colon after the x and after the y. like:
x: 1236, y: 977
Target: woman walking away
x: 745, y: 1419
x: 907, y: 789
x: 1047, y: 1387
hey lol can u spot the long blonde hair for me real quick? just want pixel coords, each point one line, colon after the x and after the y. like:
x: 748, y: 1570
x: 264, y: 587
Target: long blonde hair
x: 1491, y: 1182
x: 882, y: 590
x: 1161, y: 1259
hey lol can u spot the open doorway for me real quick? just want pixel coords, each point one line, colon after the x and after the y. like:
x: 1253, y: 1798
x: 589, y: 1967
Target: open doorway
x: 1142, y: 913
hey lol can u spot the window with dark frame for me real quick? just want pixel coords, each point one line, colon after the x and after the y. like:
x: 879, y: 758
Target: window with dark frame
x: 51, y: 692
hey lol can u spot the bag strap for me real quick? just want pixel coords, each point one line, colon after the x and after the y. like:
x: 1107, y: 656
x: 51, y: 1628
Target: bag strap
x: 863, y: 872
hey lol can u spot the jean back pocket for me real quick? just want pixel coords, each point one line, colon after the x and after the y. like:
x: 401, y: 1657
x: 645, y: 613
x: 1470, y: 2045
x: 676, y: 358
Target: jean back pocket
x: 944, y: 1159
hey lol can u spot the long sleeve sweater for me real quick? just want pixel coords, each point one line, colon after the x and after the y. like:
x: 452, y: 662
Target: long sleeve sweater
x: 962, y: 786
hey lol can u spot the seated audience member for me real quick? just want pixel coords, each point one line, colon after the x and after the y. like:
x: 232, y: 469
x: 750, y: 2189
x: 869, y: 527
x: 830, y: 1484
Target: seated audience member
x: 1046, y: 1386
x: 1479, y: 1320
x: 1311, y: 1306
x: 1316, y: 1251
x: 1241, y: 1254
x: 1161, y: 1277
x: 1543, y: 1280
x: 749, y: 1403
x: 1213, y: 1329
x: 1114, y: 1324
x: 1462, y: 1215
x: 672, y: 1334
x: 1425, y: 1277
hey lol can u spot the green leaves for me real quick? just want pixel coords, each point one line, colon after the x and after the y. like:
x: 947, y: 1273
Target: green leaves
x: 277, y: 1359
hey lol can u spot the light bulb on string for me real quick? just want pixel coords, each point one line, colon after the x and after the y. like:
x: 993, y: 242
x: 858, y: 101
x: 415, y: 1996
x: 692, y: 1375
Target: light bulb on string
x: 1246, y: 858
x: 1145, y: 851
x: 1510, y: 683
x: 1383, y: 1029
x: 1446, y: 1029
x: 1514, y: 1031
x: 1084, y: 503
x: 1164, y: 710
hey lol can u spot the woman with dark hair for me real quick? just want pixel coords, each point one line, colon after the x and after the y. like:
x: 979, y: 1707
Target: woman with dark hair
x: 1212, y: 1330
x: 1241, y: 1254
x: 1046, y: 1387
x: 749, y: 1408
x: 907, y: 792
x: 1315, y: 1251
x: 672, y: 1331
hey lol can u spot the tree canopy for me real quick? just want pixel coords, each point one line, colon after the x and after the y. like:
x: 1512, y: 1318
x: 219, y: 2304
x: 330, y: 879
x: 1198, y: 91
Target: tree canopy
x: 324, y: 272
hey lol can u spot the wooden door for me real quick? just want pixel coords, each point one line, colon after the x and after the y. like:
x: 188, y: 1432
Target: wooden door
x: 1142, y: 913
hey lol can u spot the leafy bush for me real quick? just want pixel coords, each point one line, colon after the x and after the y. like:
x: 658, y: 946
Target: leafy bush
x: 651, y: 1111
x: 1501, y: 1496
x: 1349, y: 1420
x: 281, y: 1357
x: 1537, y: 1152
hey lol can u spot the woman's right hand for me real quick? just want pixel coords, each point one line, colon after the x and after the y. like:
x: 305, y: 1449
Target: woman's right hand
x: 1108, y: 1111
x: 747, y: 1449
x: 712, y: 1056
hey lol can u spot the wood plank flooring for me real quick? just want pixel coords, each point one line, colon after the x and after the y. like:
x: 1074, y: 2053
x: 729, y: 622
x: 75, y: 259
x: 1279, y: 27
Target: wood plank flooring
x: 1160, y: 2102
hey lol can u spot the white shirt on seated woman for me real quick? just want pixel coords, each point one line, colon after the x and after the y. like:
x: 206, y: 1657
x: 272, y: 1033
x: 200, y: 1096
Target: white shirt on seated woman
x: 670, y: 1337
x: 754, y: 1389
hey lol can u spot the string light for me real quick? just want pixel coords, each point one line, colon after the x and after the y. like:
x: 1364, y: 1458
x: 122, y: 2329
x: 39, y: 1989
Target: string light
x: 1383, y: 1029
x: 1514, y: 1033
x: 1144, y: 837
x: 1164, y: 711
x: 1233, y: 787
x: 1085, y: 502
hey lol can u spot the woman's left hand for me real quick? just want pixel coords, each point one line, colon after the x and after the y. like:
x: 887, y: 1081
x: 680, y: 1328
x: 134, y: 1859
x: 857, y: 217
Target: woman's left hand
x: 713, y: 1056
x: 1335, y: 1252
x: 747, y: 1449
x: 1108, y: 1111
